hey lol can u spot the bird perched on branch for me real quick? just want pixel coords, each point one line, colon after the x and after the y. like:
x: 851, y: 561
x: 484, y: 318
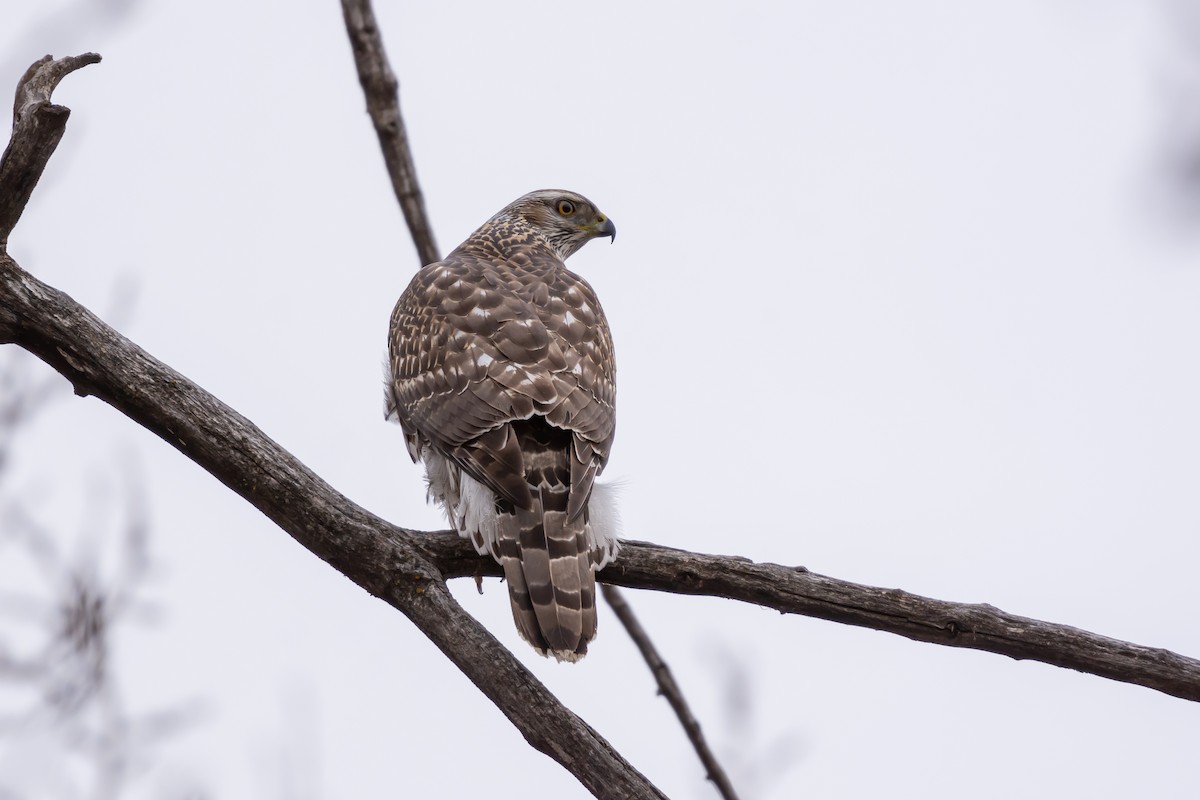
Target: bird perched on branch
x: 503, y: 380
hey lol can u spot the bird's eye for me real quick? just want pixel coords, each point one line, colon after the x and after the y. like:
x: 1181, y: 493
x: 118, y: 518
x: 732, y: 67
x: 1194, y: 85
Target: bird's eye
x: 566, y: 208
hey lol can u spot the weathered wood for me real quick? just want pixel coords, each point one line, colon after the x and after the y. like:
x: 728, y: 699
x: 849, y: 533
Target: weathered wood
x: 796, y: 590
x: 38, y: 126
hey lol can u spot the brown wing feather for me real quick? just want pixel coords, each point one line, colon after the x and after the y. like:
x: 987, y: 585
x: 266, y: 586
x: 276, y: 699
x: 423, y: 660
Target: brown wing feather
x: 472, y: 349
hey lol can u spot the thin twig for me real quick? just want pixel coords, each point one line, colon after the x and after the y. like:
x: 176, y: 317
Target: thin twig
x: 383, y: 103
x: 669, y: 689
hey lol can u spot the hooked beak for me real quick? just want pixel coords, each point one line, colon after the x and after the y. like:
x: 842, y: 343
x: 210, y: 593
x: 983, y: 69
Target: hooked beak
x: 605, y: 228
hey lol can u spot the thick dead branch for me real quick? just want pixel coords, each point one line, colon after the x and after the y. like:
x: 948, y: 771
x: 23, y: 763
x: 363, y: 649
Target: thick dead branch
x: 378, y: 556
x: 383, y: 102
x: 795, y: 590
x: 38, y: 126
x: 669, y: 689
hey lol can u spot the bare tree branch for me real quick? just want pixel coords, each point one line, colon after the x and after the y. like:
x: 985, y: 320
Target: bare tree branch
x: 795, y: 590
x: 38, y: 126
x: 383, y: 102
x: 669, y: 689
x: 408, y: 569
x: 379, y: 557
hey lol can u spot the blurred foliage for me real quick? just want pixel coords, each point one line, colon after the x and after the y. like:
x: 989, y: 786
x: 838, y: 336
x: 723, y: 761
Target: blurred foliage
x: 65, y: 730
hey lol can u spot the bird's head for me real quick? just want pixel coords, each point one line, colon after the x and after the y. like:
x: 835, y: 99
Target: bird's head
x: 566, y: 220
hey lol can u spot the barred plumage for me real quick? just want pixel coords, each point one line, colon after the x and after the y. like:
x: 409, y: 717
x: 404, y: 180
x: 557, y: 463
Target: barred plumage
x: 503, y: 380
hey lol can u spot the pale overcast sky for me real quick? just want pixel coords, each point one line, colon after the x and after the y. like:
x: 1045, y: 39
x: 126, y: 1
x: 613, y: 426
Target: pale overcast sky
x: 893, y: 298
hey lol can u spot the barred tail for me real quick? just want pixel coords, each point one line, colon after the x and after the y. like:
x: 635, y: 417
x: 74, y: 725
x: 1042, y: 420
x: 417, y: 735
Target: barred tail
x: 546, y: 558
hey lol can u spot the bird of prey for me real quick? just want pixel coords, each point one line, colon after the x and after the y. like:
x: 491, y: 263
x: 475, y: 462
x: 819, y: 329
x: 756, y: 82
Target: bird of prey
x: 503, y: 380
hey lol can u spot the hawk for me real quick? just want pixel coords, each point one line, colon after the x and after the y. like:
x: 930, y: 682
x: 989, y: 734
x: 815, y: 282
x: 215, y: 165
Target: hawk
x: 503, y: 380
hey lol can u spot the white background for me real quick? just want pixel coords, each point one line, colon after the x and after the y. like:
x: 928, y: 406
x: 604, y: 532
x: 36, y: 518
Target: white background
x: 894, y: 297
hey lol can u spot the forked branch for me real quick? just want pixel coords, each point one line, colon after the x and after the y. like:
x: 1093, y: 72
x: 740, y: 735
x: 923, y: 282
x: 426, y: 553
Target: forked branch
x: 408, y: 570
x: 378, y: 556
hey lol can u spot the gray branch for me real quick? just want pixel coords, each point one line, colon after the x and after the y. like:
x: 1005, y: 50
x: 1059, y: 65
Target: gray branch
x: 669, y: 689
x: 381, y: 89
x: 795, y: 590
x: 38, y: 126
x: 378, y: 556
